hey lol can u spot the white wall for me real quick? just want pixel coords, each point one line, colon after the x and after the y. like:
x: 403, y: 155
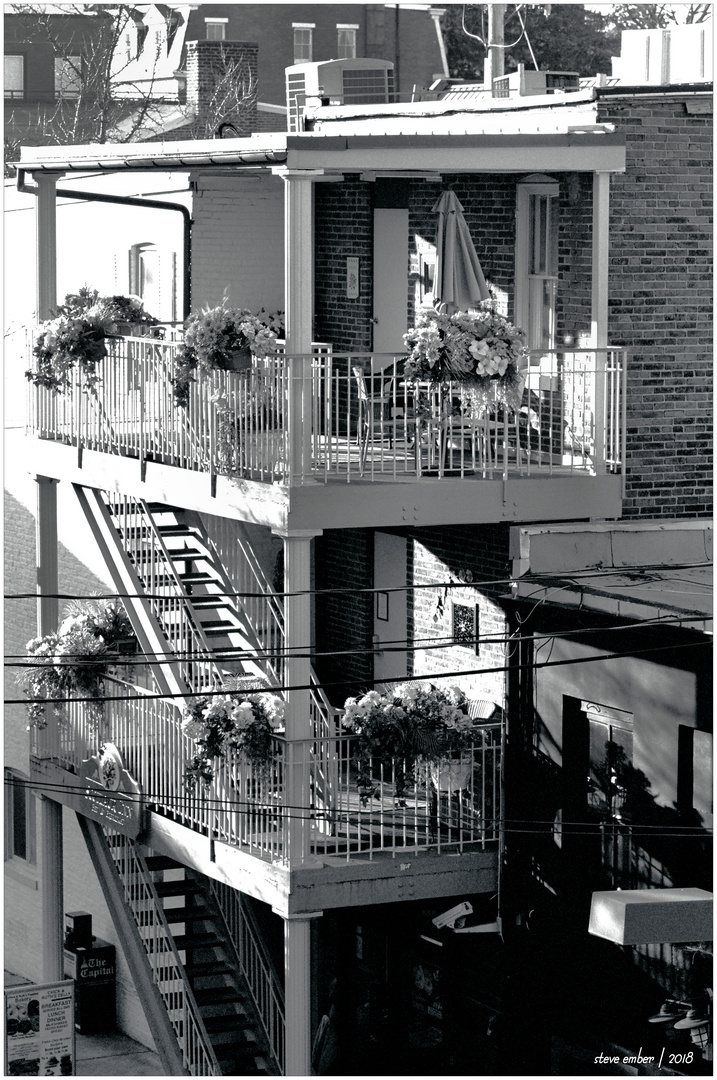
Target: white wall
x: 238, y: 242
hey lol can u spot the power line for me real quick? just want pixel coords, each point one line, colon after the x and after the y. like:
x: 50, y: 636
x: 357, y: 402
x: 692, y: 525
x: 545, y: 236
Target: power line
x: 392, y: 645
x: 240, y: 806
x: 433, y: 677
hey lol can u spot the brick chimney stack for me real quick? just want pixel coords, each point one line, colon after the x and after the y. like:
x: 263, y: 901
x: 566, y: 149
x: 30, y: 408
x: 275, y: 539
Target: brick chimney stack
x: 222, y: 85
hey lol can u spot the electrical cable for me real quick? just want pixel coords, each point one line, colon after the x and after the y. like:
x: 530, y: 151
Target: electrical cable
x: 434, y: 676
x: 393, y: 645
x: 236, y: 805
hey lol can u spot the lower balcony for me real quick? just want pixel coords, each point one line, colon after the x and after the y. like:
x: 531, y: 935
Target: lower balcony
x: 291, y: 424
x: 260, y: 828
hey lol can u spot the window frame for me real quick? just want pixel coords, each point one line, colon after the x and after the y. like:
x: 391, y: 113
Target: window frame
x: 525, y: 279
x: 12, y: 94
x: 75, y: 63
x: 352, y: 29
x: 304, y: 28
x: 23, y: 863
x: 215, y: 24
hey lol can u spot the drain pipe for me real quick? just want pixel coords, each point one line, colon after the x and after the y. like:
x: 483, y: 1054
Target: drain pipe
x: 131, y: 200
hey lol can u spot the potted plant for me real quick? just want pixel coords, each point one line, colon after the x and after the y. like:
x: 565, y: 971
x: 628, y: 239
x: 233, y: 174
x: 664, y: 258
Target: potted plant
x: 224, y: 338
x: 404, y: 726
x: 481, y: 350
x: 232, y: 722
x: 75, y: 659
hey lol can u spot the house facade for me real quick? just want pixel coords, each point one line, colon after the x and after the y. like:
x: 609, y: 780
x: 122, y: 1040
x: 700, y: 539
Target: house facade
x: 336, y: 543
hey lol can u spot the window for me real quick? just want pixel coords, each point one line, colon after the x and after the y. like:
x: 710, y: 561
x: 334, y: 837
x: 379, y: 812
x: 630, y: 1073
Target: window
x: 303, y: 42
x: 536, y: 280
x: 346, y: 40
x: 610, y: 771
x: 68, y: 76
x: 216, y: 29
x: 14, y: 76
x: 19, y: 818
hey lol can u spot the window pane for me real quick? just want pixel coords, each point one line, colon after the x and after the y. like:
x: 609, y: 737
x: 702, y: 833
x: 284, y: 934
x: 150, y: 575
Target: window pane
x: 216, y: 31
x: 302, y: 45
x: 19, y: 819
x: 346, y: 43
x: 14, y: 76
x: 68, y: 81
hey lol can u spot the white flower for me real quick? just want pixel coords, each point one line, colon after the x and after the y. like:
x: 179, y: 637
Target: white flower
x: 193, y: 728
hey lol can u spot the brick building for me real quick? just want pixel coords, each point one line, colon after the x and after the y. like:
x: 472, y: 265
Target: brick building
x: 534, y: 561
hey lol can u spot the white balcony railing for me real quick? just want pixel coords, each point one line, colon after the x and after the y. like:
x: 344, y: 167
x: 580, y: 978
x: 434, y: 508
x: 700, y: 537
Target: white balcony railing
x: 454, y: 806
x: 341, y: 417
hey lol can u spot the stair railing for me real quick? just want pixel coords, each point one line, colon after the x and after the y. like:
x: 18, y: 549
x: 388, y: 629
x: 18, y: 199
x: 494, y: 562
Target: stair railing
x: 165, y: 962
x: 256, y: 966
x: 166, y: 593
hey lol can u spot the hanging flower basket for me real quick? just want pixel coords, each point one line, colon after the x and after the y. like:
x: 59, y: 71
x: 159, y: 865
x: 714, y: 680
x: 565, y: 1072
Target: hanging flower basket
x: 481, y: 350
x: 233, y: 722
x: 76, y: 337
x: 223, y: 338
x: 92, y: 638
x: 401, y: 728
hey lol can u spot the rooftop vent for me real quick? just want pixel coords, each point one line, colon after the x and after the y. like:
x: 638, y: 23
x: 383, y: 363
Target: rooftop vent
x: 352, y: 81
x: 522, y: 83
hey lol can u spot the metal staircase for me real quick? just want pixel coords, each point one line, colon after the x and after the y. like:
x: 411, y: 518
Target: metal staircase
x: 192, y: 960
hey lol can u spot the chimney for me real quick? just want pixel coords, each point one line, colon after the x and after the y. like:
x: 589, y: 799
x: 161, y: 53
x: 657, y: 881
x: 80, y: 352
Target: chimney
x: 222, y: 86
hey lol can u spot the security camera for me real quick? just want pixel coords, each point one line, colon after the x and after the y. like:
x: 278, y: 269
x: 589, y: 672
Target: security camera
x: 450, y: 918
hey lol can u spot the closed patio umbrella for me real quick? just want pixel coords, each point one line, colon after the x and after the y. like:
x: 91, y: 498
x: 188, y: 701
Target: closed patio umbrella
x: 459, y: 280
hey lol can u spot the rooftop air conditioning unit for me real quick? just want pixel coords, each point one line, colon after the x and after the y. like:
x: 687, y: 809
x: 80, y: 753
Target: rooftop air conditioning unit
x: 353, y: 81
x: 522, y: 83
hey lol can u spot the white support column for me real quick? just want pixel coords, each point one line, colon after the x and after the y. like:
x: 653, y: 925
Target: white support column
x: 297, y: 673
x: 297, y: 992
x: 299, y: 302
x: 46, y: 216
x: 50, y: 811
x: 599, y: 305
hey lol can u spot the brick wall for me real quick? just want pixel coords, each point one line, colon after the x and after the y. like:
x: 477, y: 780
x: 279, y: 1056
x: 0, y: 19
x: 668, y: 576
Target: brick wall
x: 222, y: 86
x: 344, y: 227
x: 459, y: 554
x: 344, y: 621
x: 661, y: 301
x: 236, y: 217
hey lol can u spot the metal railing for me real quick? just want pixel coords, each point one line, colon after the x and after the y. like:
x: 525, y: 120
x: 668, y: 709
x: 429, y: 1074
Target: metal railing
x: 452, y: 805
x: 165, y: 962
x: 256, y: 966
x: 346, y: 417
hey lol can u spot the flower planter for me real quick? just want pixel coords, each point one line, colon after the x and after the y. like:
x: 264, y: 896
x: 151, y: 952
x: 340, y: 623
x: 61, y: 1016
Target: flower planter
x: 452, y: 775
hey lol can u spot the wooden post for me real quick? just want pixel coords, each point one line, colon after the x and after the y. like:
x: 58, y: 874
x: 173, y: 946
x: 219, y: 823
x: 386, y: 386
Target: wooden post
x: 50, y: 811
x: 299, y: 300
x: 599, y: 305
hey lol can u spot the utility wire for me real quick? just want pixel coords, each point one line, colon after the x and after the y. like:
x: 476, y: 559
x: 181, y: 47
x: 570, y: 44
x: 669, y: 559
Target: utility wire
x: 433, y: 677
x: 364, y: 816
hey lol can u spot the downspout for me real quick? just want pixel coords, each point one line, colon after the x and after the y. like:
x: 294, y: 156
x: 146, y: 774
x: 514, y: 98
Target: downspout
x: 131, y: 200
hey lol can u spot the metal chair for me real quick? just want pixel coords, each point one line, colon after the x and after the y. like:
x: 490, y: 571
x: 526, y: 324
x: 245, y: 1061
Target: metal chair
x: 371, y: 400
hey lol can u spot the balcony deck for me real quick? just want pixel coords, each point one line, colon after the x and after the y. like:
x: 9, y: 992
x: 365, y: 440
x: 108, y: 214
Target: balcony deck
x: 244, y: 825
x: 287, y: 442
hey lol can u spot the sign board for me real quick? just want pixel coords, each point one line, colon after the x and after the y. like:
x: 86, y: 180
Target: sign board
x: 40, y: 1030
x: 102, y: 790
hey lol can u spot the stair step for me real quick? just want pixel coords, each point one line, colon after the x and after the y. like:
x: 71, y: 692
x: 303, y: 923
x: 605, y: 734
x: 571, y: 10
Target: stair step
x: 162, y: 508
x: 217, y: 995
x: 177, y: 529
x: 209, y: 602
x: 162, y: 862
x: 208, y: 969
x: 180, y: 554
x: 197, y: 941
x: 185, y: 914
x: 216, y: 1025
x: 175, y: 888
x: 196, y: 578
x: 230, y: 1050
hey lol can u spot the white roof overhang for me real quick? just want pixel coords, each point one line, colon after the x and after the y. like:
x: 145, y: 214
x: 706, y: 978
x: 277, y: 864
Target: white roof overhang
x: 583, y: 151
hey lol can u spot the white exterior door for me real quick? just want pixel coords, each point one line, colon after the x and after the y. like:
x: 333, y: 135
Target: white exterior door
x: 536, y: 271
x: 390, y: 280
x: 390, y: 612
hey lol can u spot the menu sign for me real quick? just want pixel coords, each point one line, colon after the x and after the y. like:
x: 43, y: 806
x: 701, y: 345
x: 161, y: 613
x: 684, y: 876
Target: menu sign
x: 40, y: 1030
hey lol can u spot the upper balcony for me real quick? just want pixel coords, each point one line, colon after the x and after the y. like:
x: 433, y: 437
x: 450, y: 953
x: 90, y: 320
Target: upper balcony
x: 288, y: 441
